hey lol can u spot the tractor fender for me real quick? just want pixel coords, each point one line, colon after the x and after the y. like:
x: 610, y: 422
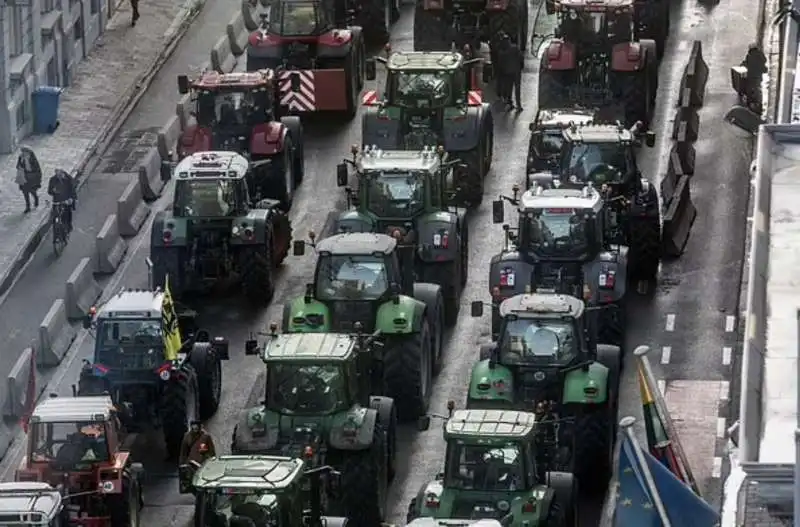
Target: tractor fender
x: 510, y: 273
x: 363, y: 420
x: 632, y: 56
x: 429, y: 295
x: 295, y: 128
x: 384, y: 406
x: 432, y: 489
x: 432, y: 229
x: 559, y: 55
x: 597, y: 272
x: 256, y: 431
x: 353, y: 221
x: 300, y: 316
x: 338, y: 43
x: 334, y: 521
x: 177, y: 227
x: 383, y: 133
x: 263, y: 45
x: 645, y: 202
x: 253, y: 229
x: 576, y: 381
x: 194, y: 139
x: 465, y: 134
x: 490, y: 384
x: 402, y: 318
x: 267, y: 138
x: 610, y: 356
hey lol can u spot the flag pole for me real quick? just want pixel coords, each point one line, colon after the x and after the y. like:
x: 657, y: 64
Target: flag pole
x: 627, y: 428
x: 661, y: 407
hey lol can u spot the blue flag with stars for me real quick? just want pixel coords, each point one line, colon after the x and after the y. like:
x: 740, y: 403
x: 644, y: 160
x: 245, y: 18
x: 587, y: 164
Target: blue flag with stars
x: 635, y: 505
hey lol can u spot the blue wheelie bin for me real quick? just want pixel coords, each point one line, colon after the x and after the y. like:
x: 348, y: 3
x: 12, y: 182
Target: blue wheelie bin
x: 45, y: 109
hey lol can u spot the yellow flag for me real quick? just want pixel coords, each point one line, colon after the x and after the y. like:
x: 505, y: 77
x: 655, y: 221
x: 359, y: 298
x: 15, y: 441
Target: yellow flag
x: 169, y: 323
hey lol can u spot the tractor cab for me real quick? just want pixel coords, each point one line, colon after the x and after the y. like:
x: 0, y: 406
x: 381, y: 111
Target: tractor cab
x: 547, y: 136
x: 30, y: 504
x: 356, y: 275
x: 595, y: 25
x: 212, y: 185
x: 227, y: 108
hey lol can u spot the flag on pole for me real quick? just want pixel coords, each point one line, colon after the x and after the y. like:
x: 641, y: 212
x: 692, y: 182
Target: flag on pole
x: 169, y: 325
x: 646, y: 488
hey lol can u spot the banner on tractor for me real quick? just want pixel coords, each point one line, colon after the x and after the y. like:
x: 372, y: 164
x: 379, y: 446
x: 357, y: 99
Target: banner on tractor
x: 695, y: 77
x: 169, y: 325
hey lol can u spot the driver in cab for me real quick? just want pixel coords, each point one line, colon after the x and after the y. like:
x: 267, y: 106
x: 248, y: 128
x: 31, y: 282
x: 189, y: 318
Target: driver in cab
x: 357, y: 281
x: 535, y: 342
x: 299, y: 19
x: 86, y: 445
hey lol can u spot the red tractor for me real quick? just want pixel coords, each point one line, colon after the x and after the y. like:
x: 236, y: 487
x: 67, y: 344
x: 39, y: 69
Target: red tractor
x: 74, y: 444
x: 318, y: 66
x: 596, y: 61
x: 237, y: 112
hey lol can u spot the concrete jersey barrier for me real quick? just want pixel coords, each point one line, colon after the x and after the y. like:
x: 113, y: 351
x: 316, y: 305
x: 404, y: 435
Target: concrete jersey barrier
x: 249, y: 16
x: 150, y: 175
x: 237, y: 34
x: 168, y: 137
x: 18, y: 382
x: 55, y: 335
x: 183, y: 111
x: 222, y: 58
x: 110, y: 246
x: 82, y: 290
x: 132, y: 211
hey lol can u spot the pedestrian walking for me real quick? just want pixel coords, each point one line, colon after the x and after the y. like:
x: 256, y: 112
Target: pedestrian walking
x: 135, y: 10
x: 29, y: 177
x: 511, y: 62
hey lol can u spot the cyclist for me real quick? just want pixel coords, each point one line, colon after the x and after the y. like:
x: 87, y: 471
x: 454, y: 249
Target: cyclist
x: 62, y: 189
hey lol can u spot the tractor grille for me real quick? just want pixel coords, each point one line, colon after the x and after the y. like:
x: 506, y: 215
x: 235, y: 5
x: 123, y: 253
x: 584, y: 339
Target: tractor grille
x: 132, y: 358
x: 534, y: 385
x: 346, y: 314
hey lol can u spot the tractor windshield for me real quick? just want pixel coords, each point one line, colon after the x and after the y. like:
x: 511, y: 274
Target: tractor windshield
x: 361, y: 277
x: 484, y: 467
x: 548, y: 143
x: 291, y: 18
x: 538, y: 341
x: 420, y: 89
x: 68, y: 445
x: 303, y: 388
x: 395, y: 194
x: 129, y: 344
x: 225, y: 506
x: 211, y: 198
x: 556, y: 232
x: 598, y: 163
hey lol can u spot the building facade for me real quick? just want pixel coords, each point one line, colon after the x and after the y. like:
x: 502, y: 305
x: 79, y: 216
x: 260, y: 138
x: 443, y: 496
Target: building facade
x: 42, y: 42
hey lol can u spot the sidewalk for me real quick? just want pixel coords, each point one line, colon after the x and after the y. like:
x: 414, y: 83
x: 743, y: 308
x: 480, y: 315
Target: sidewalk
x: 104, y: 89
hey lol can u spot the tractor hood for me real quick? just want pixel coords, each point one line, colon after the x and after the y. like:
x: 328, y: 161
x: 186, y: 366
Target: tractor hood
x: 313, y: 316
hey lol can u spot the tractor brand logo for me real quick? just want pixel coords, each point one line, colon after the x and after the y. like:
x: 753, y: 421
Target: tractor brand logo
x: 474, y: 98
x: 297, y: 90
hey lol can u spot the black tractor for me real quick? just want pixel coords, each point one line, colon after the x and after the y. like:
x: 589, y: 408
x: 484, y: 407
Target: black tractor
x: 547, y: 139
x: 433, y: 99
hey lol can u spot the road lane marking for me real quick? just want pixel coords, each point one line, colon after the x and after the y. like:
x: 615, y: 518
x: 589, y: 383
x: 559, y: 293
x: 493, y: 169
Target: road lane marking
x: 662, y: 386
x: 724, y: 390
x: 727, y: 353
x: 670, y: 326
x: 730, y: 324
x: 721, y: 427
x: 716, y: 467
x: 666, y: 354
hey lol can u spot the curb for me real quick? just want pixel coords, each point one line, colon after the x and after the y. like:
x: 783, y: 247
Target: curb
x: 108, y: 132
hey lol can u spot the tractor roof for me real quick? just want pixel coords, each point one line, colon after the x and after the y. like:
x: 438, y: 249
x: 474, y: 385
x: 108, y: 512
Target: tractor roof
x: 598, y: 133
x: 35, y: 502
x: 499, y: 424
x: 309, y: 346
x: 542, y: 306
x: 133, y: 303
x: 593, y: 5
x: 216, y: 165
x: 357, y: 243
x: 425, y: 60
x: 539, y: 198
x: 376, y: 159
x: 91, y: 408
x: 238, y: 81
x: 269, y: 473
x: 563, y: 117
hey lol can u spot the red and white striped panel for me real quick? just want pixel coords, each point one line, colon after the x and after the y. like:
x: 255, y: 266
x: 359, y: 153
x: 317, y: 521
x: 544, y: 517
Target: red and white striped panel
x: 474, y: 98
x: 304, y: 98
x: 370, y: 98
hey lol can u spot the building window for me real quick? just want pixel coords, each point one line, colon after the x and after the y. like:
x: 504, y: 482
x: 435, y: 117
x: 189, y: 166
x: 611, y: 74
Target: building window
x: 22, y: 114
x: 47, y: 6
x: 95, y: 6
x: 52, y: 73
x: 17, y: 32
x: 46, y: 40
x: 77, y: 29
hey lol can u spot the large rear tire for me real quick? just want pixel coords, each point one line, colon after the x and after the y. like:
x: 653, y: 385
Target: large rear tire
x: 633, y: 90
x: 431, y: 30
x: 179, y: 407
x: 168, y: 262
x: 645, y: 249
x: 469, y: 180
x: 258, y: 281
x: 375, y: 19
x: 563, y: 508
x: 208, y: 367
x: 125, y: 507
x: 281, y: 178
x: 408, y: 375
x: 364, y: 483
x: 554, y: 86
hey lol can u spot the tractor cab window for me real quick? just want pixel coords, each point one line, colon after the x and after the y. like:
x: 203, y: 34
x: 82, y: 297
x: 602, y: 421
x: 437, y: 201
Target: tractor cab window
x: 556, y: 232
x: 302, y: 388
x: 232, y: 109
x: 73, y: 445
x: 538, y: 341
x: 235, y: 506
x: 421, y: 89
x: 548, y: 143
x: 485, y: 467
x: 209, y: 198
x: 296, y: 18
x: 361, y: 277
x: 596, y: 163
x: 129, y: 344
x: 395, y: 194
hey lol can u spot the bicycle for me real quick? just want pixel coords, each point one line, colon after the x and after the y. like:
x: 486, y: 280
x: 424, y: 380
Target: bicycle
x: 60, y: 227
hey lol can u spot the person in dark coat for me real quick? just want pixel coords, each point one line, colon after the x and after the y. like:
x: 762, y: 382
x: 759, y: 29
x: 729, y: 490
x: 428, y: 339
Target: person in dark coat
x: 29, y: 177
x: 62, y: 189
x: 510, y: 64
x: 135, y: 10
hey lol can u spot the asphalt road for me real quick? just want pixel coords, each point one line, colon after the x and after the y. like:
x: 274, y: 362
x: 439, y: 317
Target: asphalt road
x: 687, y: 312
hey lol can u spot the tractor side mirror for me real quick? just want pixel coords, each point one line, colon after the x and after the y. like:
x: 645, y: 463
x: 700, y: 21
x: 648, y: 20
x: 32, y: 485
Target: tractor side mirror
x: 251, y: 347
x: 488, y: 72
x: 424, y: 423
x: 498, y: 214
x: 370, y: 70
x: 183, y: 84
x: 299, y: 247
x: 341, y: 174
x: 650, y: 139
x: 476, y: 309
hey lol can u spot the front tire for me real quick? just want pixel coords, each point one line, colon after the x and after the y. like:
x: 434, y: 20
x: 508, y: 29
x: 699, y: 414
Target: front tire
x: 179, y: 407
x: 408, y: 375
x: 645, y: 249
x: 208, y: 367
x: 257, y: 279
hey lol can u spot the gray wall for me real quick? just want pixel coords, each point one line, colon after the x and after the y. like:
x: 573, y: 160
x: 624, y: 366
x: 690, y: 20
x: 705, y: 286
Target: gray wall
x: 42, y: 42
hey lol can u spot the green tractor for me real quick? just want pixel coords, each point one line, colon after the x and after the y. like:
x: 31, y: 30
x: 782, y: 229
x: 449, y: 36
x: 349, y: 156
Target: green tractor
x: 494, y: 469
x: 547, y: 359
x: 405, y: 193
x: 268, y: 490
x: 359, y: 280
x: 433, y: 98
x: 323, y: 398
